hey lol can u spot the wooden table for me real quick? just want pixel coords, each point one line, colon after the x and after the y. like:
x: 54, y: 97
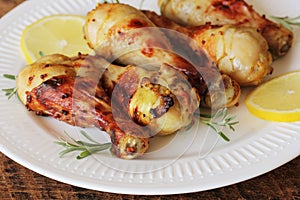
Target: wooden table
x: 17, y: 182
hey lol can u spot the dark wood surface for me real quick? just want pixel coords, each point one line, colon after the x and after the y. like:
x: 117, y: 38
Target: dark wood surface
x: 17, y: 182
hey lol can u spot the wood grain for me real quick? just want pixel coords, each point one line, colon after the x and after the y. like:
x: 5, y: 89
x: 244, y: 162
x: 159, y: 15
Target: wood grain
x: 17, y: 182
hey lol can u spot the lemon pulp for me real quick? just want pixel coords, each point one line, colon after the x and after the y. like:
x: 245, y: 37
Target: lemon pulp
x: 277, y: 99
x: 54, y: 34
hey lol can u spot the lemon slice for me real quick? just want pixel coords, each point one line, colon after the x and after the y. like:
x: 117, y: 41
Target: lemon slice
x: 54, y: 34
x: 277, y: 99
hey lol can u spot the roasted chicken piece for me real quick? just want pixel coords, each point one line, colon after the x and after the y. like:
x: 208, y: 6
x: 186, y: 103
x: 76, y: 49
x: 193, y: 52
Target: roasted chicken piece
x: 67, y: 89
x: 240, y: 52
x: 132, y: 107
x: 220, y: 12
x: 164, y: 100
x: 123, y: 34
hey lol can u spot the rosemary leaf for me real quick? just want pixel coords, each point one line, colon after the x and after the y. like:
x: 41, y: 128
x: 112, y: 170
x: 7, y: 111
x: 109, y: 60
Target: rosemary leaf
x: 86, y: 144
x: 68, y: 150
x: 112, y: 1
x: 92, y: 150
x: 205, y: 115
x: 9, y: 76
x: 83, y: 154
x: 295, y: 18
x: 87, y: 136
x: 85, y: 148
x: 224, y: 136
x: 64, y: 143
x: 295, y: 23
x: 287, y: 22
x: 41, y: 54
x: 70, y: 138
x: 141, y: 4
x: 219, y: 120
x: 9, y: 92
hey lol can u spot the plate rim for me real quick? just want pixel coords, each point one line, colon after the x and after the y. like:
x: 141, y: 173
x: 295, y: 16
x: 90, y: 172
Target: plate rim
x: 150, y: 189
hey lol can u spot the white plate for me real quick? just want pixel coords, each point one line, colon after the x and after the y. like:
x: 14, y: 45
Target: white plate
x: 185, y: 162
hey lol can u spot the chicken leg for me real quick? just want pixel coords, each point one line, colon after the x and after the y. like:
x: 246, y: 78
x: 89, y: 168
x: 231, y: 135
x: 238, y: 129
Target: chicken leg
x: 67, y: 89
x: 235, y: 12
x: 240, y: 52
x: 123, y: 34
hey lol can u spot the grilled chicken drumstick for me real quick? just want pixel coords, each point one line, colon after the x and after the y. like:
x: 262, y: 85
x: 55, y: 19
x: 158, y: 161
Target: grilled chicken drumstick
x: 124, y: 34
x: 240, y: 52
x: 220, y: 12
x: 132, y: 107
x: 67, y: 89
x: 163, y: 100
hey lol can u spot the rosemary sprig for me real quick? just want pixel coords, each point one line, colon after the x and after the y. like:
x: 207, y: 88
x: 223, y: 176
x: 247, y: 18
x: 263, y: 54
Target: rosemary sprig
x: 9, y: 92
x: 215, y: 121
x: 112, y: 1
x: 141, y: 4
x: 86, y: 148
x: 287, y: 22
x: 219, y: 120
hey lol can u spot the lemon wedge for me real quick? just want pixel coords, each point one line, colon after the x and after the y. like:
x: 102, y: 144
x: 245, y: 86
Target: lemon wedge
x: 277, y: 99
x: 54, y: 34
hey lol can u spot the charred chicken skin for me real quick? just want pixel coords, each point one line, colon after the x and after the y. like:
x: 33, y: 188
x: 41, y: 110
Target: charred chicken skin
x: 235, y: 12
x: 67, y: 89
x: 240, y: 52
x: 164, y: 100
x: 125, y: 35
x: 132, y: 102
x: 128, y: 103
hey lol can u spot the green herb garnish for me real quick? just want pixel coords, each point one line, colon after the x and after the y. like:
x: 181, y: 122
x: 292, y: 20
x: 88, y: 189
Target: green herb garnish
x: 9, y: 92
x: 41, y: 54
x: 219, y: 120
x: 112, y: 1
x: 86, y: 148
x: 9, y: 76
x: 141, y: 4
x: 215, y: 121
x: 287, y: 22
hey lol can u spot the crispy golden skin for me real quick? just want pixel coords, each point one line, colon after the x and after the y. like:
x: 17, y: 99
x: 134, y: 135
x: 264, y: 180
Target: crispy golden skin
x: 163, y: 100
x: 124, y: 34
x: 68, y: 89
x: 131, y: 104
x: 220, y: 12
x: 240, y: 52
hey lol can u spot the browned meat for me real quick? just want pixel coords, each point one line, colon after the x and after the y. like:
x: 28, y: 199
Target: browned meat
x: 220, y: 12
x: 124, y: 34
x: 68, y: 89
x: 240, y: 52
x: 163, y: 100
x: 131, y: 104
